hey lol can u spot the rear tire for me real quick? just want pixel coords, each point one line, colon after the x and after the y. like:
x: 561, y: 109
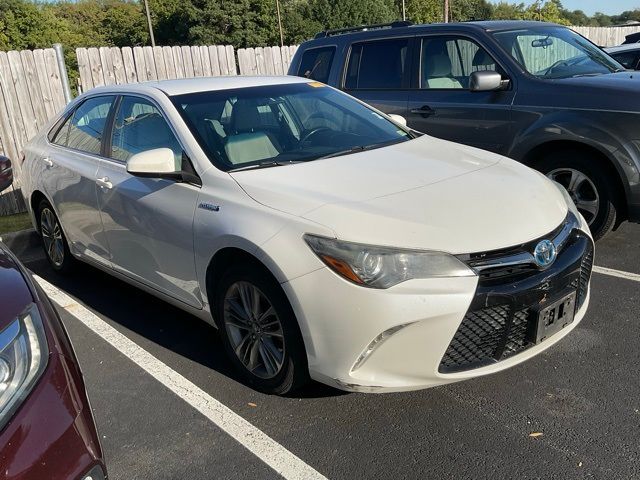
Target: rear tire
x: 54, y: 242
x: 589, y: 184
x: 259, y: 330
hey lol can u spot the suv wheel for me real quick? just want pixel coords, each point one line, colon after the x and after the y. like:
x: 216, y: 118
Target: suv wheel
x: 588, y: 185
x: 259, y: 330
x: 54, y: 242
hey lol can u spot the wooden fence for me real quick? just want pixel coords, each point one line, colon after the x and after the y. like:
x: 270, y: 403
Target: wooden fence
x: 31, y: 93
x: 606, y: 36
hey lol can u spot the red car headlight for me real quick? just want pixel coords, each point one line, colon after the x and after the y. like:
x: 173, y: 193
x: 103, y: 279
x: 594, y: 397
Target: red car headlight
x: 23, y: 358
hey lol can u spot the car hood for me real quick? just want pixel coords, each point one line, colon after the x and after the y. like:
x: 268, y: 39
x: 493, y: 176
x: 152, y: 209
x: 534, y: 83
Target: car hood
x: 426, y: 193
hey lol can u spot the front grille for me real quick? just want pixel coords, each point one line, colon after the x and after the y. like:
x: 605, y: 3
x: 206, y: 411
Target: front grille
x: 501, y: 318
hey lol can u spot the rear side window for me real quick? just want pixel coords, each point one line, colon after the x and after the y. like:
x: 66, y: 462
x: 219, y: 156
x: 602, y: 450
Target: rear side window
x: 87, y: 125
x: 380, y: 64
x: 316, y: 64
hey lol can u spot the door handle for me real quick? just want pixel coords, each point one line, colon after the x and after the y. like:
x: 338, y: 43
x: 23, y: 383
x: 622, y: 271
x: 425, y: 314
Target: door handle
x: 425, y: 111
x: 47, y: 161
x: 104, y: 183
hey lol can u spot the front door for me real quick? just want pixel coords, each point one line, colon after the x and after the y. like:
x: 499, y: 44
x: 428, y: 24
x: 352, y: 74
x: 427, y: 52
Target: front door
x: 148, y: 222
x: 442, y: 104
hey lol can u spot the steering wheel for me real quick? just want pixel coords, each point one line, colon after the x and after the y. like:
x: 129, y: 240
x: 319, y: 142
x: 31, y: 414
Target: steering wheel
x: 559, y: 63
x: 312, y: 132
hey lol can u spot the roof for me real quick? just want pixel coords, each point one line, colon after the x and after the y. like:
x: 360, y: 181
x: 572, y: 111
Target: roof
x: 623, y: 48
x: 204, y: 84
x: 498, y: 25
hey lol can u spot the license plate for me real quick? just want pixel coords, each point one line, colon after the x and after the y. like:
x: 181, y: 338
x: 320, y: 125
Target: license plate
x: 554, y: 317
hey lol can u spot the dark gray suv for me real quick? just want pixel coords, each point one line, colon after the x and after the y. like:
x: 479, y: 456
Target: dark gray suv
x: 536, y: 92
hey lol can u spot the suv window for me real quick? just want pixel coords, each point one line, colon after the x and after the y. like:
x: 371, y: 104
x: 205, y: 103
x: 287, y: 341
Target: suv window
x: 379, y: 64
x: 139, y: 126
x: 447, y: 62
x: 316, y: 63
x: 83, y: 131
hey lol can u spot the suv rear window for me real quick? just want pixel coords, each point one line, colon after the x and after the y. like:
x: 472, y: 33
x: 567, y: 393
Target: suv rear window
x: 316, y: 63
x: 379, y: 64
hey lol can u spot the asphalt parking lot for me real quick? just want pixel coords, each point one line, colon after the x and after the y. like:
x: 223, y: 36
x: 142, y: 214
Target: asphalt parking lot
x: 582, y: 395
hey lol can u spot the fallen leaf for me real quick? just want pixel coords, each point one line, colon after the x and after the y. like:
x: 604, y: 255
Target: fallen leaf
x: 536, y: 434
x: 580, y: 464
x: 251, y: 404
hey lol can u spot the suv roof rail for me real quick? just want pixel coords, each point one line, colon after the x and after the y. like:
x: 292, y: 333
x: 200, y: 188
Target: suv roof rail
x: 362, y: 28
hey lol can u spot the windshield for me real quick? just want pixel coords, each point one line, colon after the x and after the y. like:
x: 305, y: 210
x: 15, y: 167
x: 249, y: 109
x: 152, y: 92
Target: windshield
x: 556, y: 52
x: 278, y: 124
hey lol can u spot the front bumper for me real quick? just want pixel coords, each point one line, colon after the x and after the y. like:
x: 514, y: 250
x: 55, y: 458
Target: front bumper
x: 339, y: 322
x: 52, y: 435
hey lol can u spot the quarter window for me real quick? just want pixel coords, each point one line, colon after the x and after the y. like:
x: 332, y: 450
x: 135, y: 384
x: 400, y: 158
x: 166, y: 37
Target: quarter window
x: 448, y: 62
x: 316, y: 64
x: 86, y: 125
x: 139, y: 126
x: 379, y: 64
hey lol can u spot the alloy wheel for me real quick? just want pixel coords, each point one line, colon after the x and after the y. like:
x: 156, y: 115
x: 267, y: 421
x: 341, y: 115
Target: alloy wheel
x: 582, y: 190
x: 254, y: 329
x: 52, y: 236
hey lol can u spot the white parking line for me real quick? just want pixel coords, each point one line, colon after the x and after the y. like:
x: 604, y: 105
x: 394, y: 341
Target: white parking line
x: 617, y: 273
x: 257, y: 442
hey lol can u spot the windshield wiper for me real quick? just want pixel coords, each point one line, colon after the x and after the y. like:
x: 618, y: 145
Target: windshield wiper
x: 357, y: 148
x: 362, y: 148
x: 265, y: 164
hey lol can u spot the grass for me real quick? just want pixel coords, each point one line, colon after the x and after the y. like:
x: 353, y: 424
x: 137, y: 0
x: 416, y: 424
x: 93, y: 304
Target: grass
x: 14, y: 223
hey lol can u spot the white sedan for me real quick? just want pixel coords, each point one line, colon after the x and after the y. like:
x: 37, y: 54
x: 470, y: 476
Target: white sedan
x: 323, y: 238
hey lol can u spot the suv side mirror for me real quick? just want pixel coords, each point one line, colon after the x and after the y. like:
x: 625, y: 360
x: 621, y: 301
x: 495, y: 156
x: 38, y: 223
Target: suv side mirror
x: 398, y: 119
x: 486, y: 81
x: 6, y: 173
x: 156, y: 163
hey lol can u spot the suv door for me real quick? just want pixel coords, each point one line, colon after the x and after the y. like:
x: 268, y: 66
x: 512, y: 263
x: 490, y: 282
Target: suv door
x: 441, y: 103
x: 70, y: 178
x: 377, y: 72
x: 148, y: 222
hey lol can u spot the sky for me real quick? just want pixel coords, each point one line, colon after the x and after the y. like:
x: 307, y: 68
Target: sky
x: 610, y: 7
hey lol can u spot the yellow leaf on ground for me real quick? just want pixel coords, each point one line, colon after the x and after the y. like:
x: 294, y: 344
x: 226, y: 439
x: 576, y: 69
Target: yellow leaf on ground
x: 536, y: 434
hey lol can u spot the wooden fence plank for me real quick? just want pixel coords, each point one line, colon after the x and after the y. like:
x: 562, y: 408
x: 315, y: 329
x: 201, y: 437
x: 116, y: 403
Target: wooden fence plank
x: 129, y: 65
x: 197, y: 61
x: 140, y: 64
x: 43, y: 84
x: 215, y: 62
x: 84, y: 69
x: 231, y: 60
x: 55, y: 81
x: 107, y: 65
x: 222, y: 60
x: 150, y: 64
x: 177, y: 57
x: 119, y: 72
x: 206, y: 61
x: 97, y: 76
x: 188, y: 62
x: 169, y: 62
x: 26, y: 109
x: 158, y: 58
x: 33, y: 88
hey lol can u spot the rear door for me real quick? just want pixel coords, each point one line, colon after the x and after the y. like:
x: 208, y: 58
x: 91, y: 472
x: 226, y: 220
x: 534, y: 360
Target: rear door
x: 441, y: 104
x: 148, y: 222
x: 378, y: 73
x: 70, y: 172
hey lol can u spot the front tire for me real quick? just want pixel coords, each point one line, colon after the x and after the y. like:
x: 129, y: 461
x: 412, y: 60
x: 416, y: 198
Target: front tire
x: 259, y: 330
x: 54, y: 242
x: 589, y: 185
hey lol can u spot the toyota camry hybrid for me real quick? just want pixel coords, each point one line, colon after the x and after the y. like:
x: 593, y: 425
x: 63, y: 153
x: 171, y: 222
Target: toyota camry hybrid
x: 323, y: 238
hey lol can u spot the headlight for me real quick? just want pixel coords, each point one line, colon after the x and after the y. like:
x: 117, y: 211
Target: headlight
x: 383, y: 267
x: 23, y: 357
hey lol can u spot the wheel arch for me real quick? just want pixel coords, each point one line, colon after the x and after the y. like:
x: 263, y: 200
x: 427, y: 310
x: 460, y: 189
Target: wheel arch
x: 37, y: 196
x: 538, y: 152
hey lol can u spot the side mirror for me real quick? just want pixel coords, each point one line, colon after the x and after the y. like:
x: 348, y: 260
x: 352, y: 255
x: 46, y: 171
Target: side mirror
x: 6, y: 173
x: 156, y: 163
x: 398, y: 119
x: 486, y: 81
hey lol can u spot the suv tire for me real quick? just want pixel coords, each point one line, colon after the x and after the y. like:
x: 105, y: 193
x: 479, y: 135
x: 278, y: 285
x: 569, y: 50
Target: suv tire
x: 54, y: 242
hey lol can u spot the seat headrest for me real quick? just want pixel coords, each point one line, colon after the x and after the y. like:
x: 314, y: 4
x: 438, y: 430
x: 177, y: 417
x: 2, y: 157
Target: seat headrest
x: 438, y: 66
x: 245, y: 117
x: 482, y: 59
